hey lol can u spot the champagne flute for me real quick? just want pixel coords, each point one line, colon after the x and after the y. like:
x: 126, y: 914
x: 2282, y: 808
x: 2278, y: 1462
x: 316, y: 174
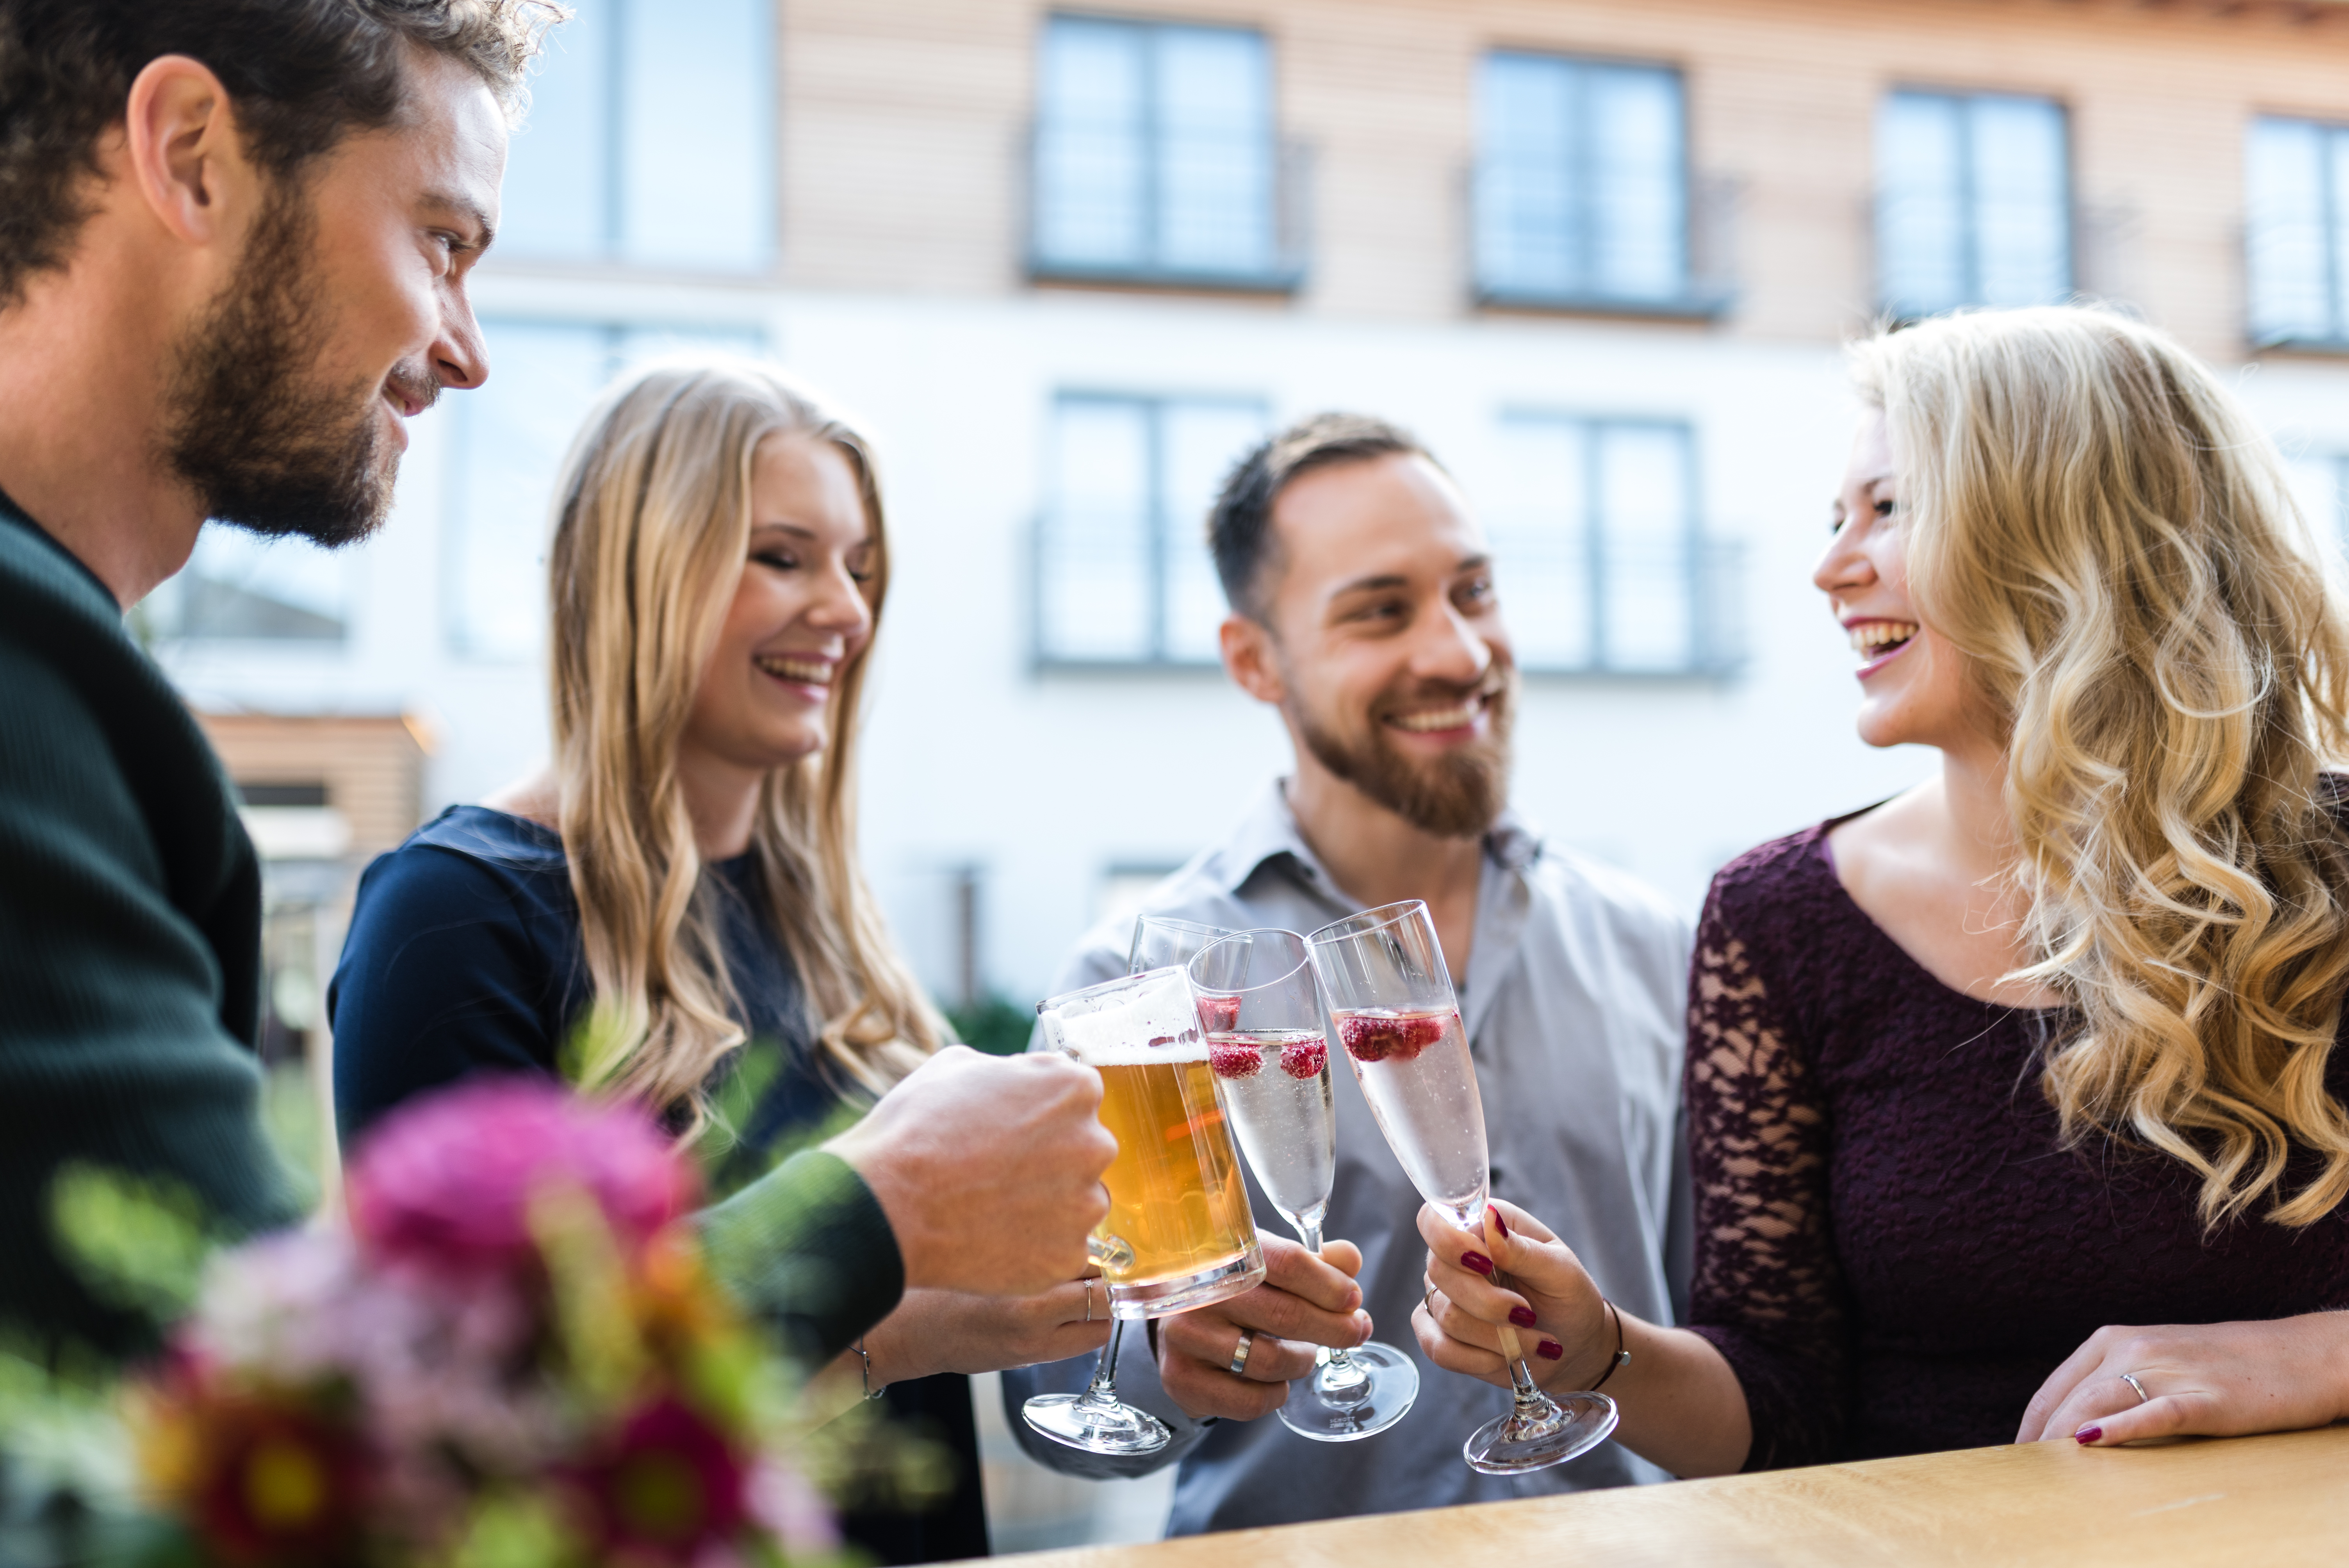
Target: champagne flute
x: 1390, y: 998
x: 1097, y: 1420
x: 1271, y: 1059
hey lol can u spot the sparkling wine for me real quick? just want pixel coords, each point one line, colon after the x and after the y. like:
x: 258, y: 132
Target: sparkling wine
x: 1415, y: 1071
x: 1276, y: 1085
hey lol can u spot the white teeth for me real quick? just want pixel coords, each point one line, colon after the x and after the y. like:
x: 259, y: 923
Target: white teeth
x: 1426, y: 722
x: 1869, y: 635
x: 798, y: 670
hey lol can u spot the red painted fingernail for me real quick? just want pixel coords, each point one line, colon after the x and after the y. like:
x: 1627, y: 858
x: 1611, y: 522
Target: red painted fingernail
x: 2088, y: 1435
x: 1523, y: 1316
x: 1499, y: 1223
x: 1477, y: 1261
x: 1549, y: 1350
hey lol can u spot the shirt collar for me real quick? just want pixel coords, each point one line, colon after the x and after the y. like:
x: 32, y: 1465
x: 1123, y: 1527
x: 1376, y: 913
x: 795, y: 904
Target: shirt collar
x: 1268, y: 831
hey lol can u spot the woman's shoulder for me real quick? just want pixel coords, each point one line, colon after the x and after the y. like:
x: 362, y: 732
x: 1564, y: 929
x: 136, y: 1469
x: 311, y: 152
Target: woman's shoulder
x: 469, y: 856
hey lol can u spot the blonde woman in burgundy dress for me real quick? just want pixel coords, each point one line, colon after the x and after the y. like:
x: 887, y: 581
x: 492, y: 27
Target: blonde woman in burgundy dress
x: 2015, y: 1101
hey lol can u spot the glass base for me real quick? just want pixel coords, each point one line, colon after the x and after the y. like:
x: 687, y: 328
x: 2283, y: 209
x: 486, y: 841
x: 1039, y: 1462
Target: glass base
x: 1163, y: 1298
x: 1098, y: 1426
x: 1329, y: 1406
x: 1530, y: 1438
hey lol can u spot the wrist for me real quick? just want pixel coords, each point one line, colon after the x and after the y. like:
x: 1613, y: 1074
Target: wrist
x: 1588, y: 1363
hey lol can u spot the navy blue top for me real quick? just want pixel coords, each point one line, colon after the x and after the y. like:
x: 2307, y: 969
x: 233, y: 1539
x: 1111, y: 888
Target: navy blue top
x: 464, y: 956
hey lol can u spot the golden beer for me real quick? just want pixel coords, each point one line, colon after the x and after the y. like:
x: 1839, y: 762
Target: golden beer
x: 1175, y: 1196
x: 1179, y: 1233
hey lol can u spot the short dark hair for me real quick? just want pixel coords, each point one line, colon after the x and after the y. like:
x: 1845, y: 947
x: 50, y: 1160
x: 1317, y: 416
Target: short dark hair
x: 301, y: 74
x: 1239, y: 527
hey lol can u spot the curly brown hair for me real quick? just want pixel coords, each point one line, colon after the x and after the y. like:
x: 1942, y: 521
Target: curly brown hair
x: 303, y: 74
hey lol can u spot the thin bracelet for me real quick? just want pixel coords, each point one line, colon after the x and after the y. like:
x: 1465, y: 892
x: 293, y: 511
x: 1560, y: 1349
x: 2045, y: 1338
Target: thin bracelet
x: 873, y: 1393
x: 1621, y: 1358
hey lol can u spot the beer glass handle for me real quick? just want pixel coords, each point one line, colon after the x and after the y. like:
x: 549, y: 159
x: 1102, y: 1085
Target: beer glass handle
x: 1109, y: 1253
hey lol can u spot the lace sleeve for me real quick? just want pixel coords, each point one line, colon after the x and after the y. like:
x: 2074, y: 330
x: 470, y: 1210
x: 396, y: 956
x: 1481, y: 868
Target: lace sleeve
x: 1765, y: 1290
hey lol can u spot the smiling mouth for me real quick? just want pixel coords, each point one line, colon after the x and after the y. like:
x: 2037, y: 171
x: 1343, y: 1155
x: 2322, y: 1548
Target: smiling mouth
x: 1435, y: 720
x: 1875, y: 640
x: 804, y: 672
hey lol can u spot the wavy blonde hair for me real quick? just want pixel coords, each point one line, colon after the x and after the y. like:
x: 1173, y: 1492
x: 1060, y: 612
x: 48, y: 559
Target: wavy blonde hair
x: 652, y: 528
x: 2099, y: 526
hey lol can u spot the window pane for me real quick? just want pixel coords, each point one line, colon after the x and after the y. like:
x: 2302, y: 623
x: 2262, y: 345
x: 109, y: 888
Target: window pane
x: 556, y: 201
x: 511, y: 434
x: 1921, y: 217
x: 1637, y: 175
x: 2321, y: 486
x: 1524, y: 240
x: 1214, y: 99
x: 1089, y: 172
x: 2336, y: 146
x: 696, y: 169
x: 2284, y: 180
x: 1538, y: 506
x: 2022, y: 207
x: 1644, y: 518
x: 1199, y: 444
x: 239, y: 585
x: 1094, y: 553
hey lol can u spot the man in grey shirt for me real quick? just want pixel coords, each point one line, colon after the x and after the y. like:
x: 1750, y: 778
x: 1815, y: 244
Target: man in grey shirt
x: 1364, y: 610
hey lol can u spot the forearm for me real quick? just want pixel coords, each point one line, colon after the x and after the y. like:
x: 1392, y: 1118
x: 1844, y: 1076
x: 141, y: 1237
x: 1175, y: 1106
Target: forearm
x: 1682, y: 1408
x: 807, y: 1249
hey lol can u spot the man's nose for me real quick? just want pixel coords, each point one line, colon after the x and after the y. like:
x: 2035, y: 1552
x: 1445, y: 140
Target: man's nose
x: 1451, y: 649
x: 460, y: 359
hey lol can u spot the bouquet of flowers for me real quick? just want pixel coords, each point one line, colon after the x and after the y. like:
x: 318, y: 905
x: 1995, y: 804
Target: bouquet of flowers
x: 512, y: 1356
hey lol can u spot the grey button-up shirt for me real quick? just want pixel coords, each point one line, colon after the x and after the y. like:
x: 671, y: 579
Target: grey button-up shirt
x: 1574, y: 1007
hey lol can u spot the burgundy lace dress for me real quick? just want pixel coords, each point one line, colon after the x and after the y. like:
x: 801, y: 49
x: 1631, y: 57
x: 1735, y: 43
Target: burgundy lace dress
x: 1893, y: 1249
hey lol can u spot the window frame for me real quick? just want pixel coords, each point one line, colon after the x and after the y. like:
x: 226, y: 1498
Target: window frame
x: 1157, y: 526
x: 1694, y: 299
x: 2334, y: 150
x: 1716, y: 649
x: 1971, y: 245
x: 1287, y: 270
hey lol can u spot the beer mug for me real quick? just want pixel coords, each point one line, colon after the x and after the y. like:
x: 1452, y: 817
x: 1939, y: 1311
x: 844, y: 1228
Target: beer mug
x: 1179, y: 1233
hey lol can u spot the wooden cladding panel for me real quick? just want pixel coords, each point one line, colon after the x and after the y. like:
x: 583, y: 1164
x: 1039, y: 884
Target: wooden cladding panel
x: 906, y: 126
x: 372, y: 767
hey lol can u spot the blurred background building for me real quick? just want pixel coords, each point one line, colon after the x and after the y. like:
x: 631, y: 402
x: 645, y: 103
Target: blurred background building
x: 1068, y: 262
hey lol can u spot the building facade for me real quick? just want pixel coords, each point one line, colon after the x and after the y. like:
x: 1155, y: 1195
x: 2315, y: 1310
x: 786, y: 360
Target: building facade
x: 1067, y: 262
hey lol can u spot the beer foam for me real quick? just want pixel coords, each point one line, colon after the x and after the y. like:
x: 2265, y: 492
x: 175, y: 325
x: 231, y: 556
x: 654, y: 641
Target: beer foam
x: 1145, y: 1020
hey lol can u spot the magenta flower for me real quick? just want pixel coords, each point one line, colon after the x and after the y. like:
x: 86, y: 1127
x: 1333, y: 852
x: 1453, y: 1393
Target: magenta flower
x: 447, y: 1182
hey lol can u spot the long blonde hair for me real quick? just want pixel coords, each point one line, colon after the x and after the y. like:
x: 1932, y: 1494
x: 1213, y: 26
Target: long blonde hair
x: 2099, y: 526
x: 652, y: 528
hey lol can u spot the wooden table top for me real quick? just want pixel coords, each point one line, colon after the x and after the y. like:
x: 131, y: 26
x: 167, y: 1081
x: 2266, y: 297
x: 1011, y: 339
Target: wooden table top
x: 2269, y: 1500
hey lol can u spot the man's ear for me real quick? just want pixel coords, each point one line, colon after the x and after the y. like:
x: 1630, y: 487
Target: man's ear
x: 185, y: 156
x: 1247, y: 657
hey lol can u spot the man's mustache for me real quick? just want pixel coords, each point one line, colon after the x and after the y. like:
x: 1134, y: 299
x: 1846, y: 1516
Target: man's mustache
x: 1493, y: 683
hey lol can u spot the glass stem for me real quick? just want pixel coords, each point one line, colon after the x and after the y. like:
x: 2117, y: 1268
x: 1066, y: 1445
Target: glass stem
x: 1340, y: 1369
x: 1102, y: 1389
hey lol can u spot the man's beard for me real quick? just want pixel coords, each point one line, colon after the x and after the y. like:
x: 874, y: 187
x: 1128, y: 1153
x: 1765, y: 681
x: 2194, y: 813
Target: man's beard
x: 248, y: 423
x: 1458, y: 795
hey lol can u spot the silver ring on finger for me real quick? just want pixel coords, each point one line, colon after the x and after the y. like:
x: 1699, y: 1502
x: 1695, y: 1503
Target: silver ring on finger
x: 2142, y: 1397
x: 1238, y: 1367
x: 1089, y: 1298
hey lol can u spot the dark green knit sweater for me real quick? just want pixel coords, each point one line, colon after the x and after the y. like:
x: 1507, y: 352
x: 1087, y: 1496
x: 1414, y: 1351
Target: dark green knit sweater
x: 130, y: 987
x: 129, y: 938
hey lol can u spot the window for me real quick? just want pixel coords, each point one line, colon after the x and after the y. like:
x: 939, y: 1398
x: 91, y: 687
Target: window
x: 649, y: 140
x: 238, y: 586
x: 511, y: 435
x: 2297, y: 239
x: 1581, y: 184
x: 1155, y: 156
x: 1973, y: 202
x: 1124, y: 575
x: 1598, y: 550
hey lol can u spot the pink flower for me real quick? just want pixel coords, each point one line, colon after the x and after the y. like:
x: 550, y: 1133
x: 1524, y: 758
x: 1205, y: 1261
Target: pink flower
x: 447, y: 1182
